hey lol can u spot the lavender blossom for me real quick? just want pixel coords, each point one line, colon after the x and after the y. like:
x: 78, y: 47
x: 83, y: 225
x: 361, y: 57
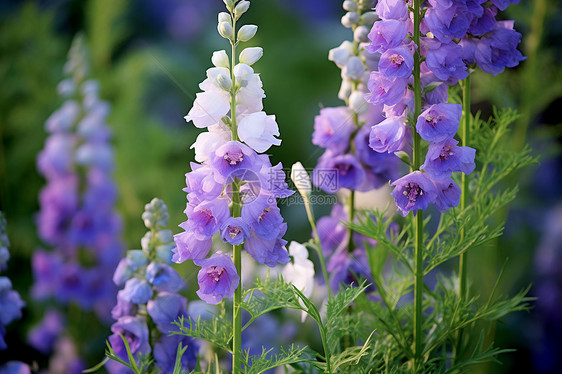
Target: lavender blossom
x: 217, y: 278
x: 414, y: 191
x: 439, y: 122
x: 446, y: 157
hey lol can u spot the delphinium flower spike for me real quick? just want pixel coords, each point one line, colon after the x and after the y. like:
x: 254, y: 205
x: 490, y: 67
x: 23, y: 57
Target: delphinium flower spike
x: 348, y: 163
x: 77, y: 218
x: 457, y: 36
x: 150, y: 298
x: 232, y: 190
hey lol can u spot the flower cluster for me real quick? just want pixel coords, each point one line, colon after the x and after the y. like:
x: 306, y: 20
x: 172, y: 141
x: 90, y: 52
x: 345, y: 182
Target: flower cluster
x: 343, y: 131
x: 232, y: 191
x: 457, y: 36
x: 150, y: 298
x: 77, y: 216
x: 10, y: 300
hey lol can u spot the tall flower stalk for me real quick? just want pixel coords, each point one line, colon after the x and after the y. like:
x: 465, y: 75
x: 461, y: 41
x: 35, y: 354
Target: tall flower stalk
x: 233, y: 190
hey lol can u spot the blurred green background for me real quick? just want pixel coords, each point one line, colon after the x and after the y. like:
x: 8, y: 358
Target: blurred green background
x: 150, y: 56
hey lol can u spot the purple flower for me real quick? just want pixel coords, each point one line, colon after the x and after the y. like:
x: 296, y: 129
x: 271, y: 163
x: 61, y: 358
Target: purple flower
x: 264, y: 217
x: 56, y: 159
x: 438, y: 94
x: 392, y: 9
x: 388, y: 136
x: 165, y: 309
x: 332, y: 129
x: 165, y: 352
x: 15, y: 367
x: 413, y: 192
x: 268, y: 252
x: 498, y: 49
x: 386, y: 34
x: 448, y: 22
x: 232, y: 159
x: 439, y: 122
x: 234, y: 231
x: 385, y: 90
x: 217, y: 278
x: 137, y: 291
x: 134, y: 330
x: 335, y: 172
x: 397, y: 62
x: 206, y: 218
x: 43, y: 336
x: 347, y: 268
x: 123, y: 307
x: 445, y: 61
x: 446, y: 157
x: 485, y: 23
x: 272, y: 180
x: 189, y: 247
x: 164, y: 277
x: 331, y: 230
x: 201, y: 183
x: 10, y: 302
x: 448, y: 194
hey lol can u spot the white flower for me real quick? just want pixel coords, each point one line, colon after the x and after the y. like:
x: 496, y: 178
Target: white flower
x: 354, y: 68
x: 341, y: 54
x: 301, y: 179
x: 258, y: 130
x: 220, y: 59
x: 301, y: 271
x: 208, y: 108
x: 357, y: 102
x: 207, y: 142
x: 225, y: 30
x: 247, y: 32
x: 249, y: 97
x: 345, y: 89
x: 250, y: 55
x: 220, y: 77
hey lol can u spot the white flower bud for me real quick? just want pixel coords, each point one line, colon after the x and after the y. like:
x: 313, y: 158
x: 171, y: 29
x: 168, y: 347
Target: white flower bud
x: 225, y: 29
x: 369, y: 18
x: 350, y: 19
x: 357, y: 102
x: 229, y: 4
x: 350, y: 6
x: 224, y: 82
x: 301, y: 179
x: 241, y: 8
x: 225, y: 17
x: 250, y: 55
x: 341, y: 54
x: 361, y: 34
x: 345, y: 90
x: 247, y: 32
x: 354, y: 68
x: 220, y: 59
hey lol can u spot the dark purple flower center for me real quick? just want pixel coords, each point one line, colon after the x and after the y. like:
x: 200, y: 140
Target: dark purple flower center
x: 263, y: 213
x: 207, y: 215
x: 433, y: 119
x: 446, y: 152
x: 412, y: 191
x: 396, y: 59
x: 234, y: 158
x: 233, y: 231
x: 343, y: 169
x: 215, y: 272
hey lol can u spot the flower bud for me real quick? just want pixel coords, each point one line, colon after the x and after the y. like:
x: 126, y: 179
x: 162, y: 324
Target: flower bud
x: 369, y: 18
x: 225, y: 17
x: 247, y: 32
x: 301, y: 179
x: 225, y: 29
x: 220, y: 59
x: 361, y: 34
x: 345, y: 90
x: 224, y: 82
x: 350, y: 6
x: 350, y: 19
x: 241, y: 8
x: 341, y: 54
x: 250, y: 55
x: 357, y: 102
x: 229, y: 4
x: 354, y: 68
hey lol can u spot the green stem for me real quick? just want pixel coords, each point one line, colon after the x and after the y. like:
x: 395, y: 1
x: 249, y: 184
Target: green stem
x: 350, y: 244
x: 318, y: 245
x: 463, y: 258
x: 419, y: 249
x: 236, y: 208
